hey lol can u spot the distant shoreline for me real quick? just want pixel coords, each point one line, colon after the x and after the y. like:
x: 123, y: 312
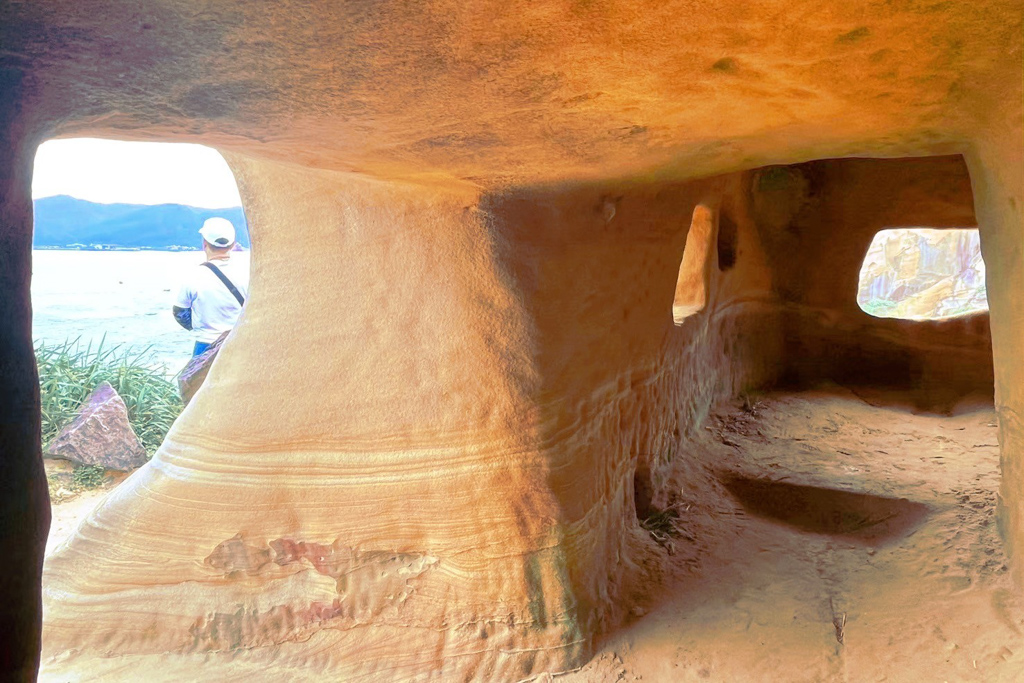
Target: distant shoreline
x: 114, y: 247
x: 109, y: 247
x: 67, y: 223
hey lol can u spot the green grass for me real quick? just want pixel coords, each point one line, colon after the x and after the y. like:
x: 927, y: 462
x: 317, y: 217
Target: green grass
x: 68, y: 373
x: 64, y: 485
x: 87, y: 477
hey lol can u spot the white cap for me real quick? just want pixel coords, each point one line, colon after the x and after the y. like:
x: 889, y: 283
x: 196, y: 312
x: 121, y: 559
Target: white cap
x: 219, y: 232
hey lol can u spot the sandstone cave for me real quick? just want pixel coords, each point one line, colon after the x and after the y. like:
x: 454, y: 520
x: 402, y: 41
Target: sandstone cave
x: 553, y: 364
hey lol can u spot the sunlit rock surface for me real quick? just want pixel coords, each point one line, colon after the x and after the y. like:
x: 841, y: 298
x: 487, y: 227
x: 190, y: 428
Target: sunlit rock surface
x: 408, y: 483
x: 457, y: 382
x: 923, y: 274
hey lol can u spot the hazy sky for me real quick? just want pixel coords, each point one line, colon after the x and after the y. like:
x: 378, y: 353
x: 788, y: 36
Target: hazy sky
x: 110, y: 171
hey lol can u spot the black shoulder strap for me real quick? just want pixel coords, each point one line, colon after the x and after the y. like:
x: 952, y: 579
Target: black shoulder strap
x: 227, y: 283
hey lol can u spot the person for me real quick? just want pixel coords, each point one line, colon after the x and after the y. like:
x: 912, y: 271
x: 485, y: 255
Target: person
x: 212, y: 294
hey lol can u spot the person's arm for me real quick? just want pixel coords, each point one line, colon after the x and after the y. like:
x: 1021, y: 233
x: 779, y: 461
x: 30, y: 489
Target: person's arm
x: 182, y: 308
x: 183, y: 316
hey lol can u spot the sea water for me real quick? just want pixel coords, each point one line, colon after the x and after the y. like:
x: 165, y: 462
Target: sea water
x: 117, y: 297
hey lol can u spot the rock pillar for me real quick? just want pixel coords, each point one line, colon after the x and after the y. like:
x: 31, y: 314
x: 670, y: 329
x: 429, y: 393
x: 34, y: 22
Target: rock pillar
x: 357, y: 486
x: 24, y: 502
x: 997, y: 174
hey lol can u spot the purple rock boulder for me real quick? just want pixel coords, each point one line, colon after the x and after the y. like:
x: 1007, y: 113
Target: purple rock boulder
x: 100, y: 434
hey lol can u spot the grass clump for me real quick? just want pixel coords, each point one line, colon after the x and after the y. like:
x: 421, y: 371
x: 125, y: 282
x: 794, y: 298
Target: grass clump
x: 66, y: 483
x: 68, y: 374
x: 661, y: 525
x: 88, y: 477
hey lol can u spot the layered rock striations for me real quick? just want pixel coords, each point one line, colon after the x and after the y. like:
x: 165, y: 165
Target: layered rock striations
x: 349, y: 500
x: 293, y: 520
x: 457, y: 382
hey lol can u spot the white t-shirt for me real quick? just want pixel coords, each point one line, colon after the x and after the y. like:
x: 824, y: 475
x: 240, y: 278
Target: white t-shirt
x: 214, y: 308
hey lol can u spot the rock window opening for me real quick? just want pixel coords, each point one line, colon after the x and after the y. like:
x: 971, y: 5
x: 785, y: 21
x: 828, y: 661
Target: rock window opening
x: 691, y: 295
x: 923, y: 274
x: 727, y: 239
x: 116, y: 236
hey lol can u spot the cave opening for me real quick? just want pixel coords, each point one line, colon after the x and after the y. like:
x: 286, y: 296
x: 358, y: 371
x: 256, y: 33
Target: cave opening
x: 923, y: 274
x: 818, y: 223
x: 115, y: 244
x: 727, y: 241
x: 692, y: 282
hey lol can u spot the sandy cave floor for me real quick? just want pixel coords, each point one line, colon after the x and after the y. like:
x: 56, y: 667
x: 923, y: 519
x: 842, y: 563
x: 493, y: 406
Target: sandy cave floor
x: 915, y: 590
x: 921, y: 596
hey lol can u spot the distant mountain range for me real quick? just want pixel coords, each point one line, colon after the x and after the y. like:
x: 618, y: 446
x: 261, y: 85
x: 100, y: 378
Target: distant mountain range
x: 63, y: 221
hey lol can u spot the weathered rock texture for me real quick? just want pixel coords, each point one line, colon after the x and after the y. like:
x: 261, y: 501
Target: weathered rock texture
x: 817, y: 221
x: 457, y: 379
x: 100, y: 434
x: 24, y: 500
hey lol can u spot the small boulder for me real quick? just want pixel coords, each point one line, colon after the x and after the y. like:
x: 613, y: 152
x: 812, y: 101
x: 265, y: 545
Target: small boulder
x: 192, y: 375
x: 100, y: 434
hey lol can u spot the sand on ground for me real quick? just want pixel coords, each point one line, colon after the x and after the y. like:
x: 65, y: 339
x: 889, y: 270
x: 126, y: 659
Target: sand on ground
x: 68, y: 507
x: 758, y: 599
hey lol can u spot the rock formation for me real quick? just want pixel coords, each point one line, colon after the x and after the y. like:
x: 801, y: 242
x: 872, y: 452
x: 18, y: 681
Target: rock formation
x: 100, y: 434
x: 422, y: 450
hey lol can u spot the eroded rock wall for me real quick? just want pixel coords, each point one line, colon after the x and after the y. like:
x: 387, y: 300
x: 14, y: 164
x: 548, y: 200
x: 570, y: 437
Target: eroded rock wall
x: 487, y: 395
x: 497, y: 92
x: 363, y: 454
x: 620, y: 386
x: 997, y: 175
x: 817, y: 221
x: 430, y: 419
x: 24, y: 501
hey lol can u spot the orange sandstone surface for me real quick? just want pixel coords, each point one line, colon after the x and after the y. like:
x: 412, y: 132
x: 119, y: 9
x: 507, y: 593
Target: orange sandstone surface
x: 478, y: 350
